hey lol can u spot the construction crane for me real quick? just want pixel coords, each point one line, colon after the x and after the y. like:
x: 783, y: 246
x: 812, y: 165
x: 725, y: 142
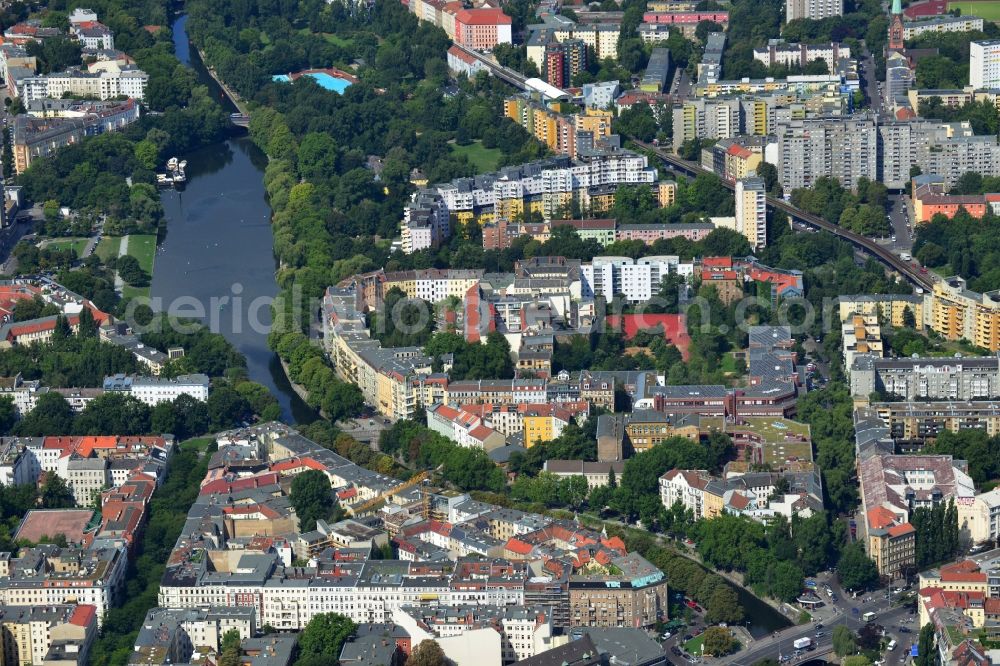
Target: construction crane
x: 365, y: 507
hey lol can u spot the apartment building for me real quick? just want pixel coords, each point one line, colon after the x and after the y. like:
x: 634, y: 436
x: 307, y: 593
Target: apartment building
x: 154, y: 390
x: 426, y: 222
x: 479, y: 27
x: 861, y: 337
x: 458, y: 630
x: 177, y: 636
x: 464, y: 428
x: 891, y: 542
x: 635, y: 280
x: 902, y: 483
x: 650, y: 233
x: 685, y: 21
x: 44, y: 635
x: 564, y: 134
x: 919, y: 421
x: 812, y: 9
x: 948, y: 150
x: 958, y: 313
x: 751, y: 211
x: 779, y: 52
x: 913, y: 29
x: 890, y: 308
x: 563, y: 61
x: 961, y: 378
x: 48, y: 575
x: 930, y: 197
x: 63, y: 123
x: 602, y: 38
x: 548, y: 187
x: 845, y: 149
x: 597, y: 474
x: 735, y: 158
x: 637, y: 598
x: 482, y: 29
x: 984, y: 63
x: 654, y: 79
x: 104, y: 80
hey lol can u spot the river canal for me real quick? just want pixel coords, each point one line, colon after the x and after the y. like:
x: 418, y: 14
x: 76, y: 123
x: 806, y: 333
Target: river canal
x: 218, y: 244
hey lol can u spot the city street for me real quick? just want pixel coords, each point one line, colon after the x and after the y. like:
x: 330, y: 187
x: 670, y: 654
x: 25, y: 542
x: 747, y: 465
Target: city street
x: 840, y: 612
x: 871, y: 86
x: 899, y: 218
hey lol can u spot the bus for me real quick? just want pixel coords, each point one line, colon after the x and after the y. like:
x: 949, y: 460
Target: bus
x: 868, y: 617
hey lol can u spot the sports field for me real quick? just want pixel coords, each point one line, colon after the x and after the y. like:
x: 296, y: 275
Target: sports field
x: 988, y: 9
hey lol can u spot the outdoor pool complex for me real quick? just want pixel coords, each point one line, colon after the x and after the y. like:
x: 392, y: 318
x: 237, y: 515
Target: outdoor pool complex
x: 326, y: 81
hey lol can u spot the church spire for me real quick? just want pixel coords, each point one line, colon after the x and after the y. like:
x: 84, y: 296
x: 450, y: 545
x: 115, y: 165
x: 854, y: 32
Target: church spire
x: 897, y: 7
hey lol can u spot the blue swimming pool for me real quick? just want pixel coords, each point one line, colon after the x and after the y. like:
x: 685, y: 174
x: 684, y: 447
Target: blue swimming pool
x: 326, y: 81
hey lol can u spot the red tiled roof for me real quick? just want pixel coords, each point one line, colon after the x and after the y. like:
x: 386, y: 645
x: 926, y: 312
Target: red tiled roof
x: 900, y: 530
x: 83, y: 615
x: 518, y: 546
x: 738, y: 501
x: 461, y: 55
x: 881, y: 518
x: 486, y: 16
x: 717, y: 262
x: 481, y: 432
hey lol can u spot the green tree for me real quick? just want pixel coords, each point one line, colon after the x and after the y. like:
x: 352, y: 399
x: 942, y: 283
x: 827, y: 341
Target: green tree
x: 926, y: 652
x: 312, y: 498
x: 55, y: 493
x: 324, y: 635
x: 8, y: 414
x: 113, y: 413
x: 719, y: 641
x: 52, y: 415
x: 427, y: 653
x: 856, y: 569
x: 723, y: 605
x: 843, y: 641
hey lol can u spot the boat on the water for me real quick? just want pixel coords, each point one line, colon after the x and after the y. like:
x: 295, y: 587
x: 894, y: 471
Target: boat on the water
x: 174, y: 175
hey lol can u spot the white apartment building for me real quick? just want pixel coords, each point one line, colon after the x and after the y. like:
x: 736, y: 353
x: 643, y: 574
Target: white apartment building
x: 812, y: 9
x: 751, y: 211
x: 913, y: 29
x: 778, y: 52
x: 426, y: 222
x: 105, y: 80
x: 637, y: 281
x: 525, y: 632
x: 154, y: 390
x: 686, y: 487
x: 290, y: 607
x: 87, y: 477
x: 982, y: 517
x: 984, y: 64
x: 95, y: 579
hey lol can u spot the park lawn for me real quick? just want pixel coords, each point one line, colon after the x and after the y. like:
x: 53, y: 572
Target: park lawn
x: 108, y: 247
x: 989, y: 10
x: 693, y: 646
x: 75, y: 244
x: 196, y: 444
x: 729, y: 364
x: 483, y: 159
x: 143, y: 248
x: 330, y: 37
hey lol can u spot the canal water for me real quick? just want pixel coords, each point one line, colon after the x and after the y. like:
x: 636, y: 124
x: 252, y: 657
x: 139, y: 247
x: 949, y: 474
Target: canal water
x: 218, y: 245
x: 763, y: 619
